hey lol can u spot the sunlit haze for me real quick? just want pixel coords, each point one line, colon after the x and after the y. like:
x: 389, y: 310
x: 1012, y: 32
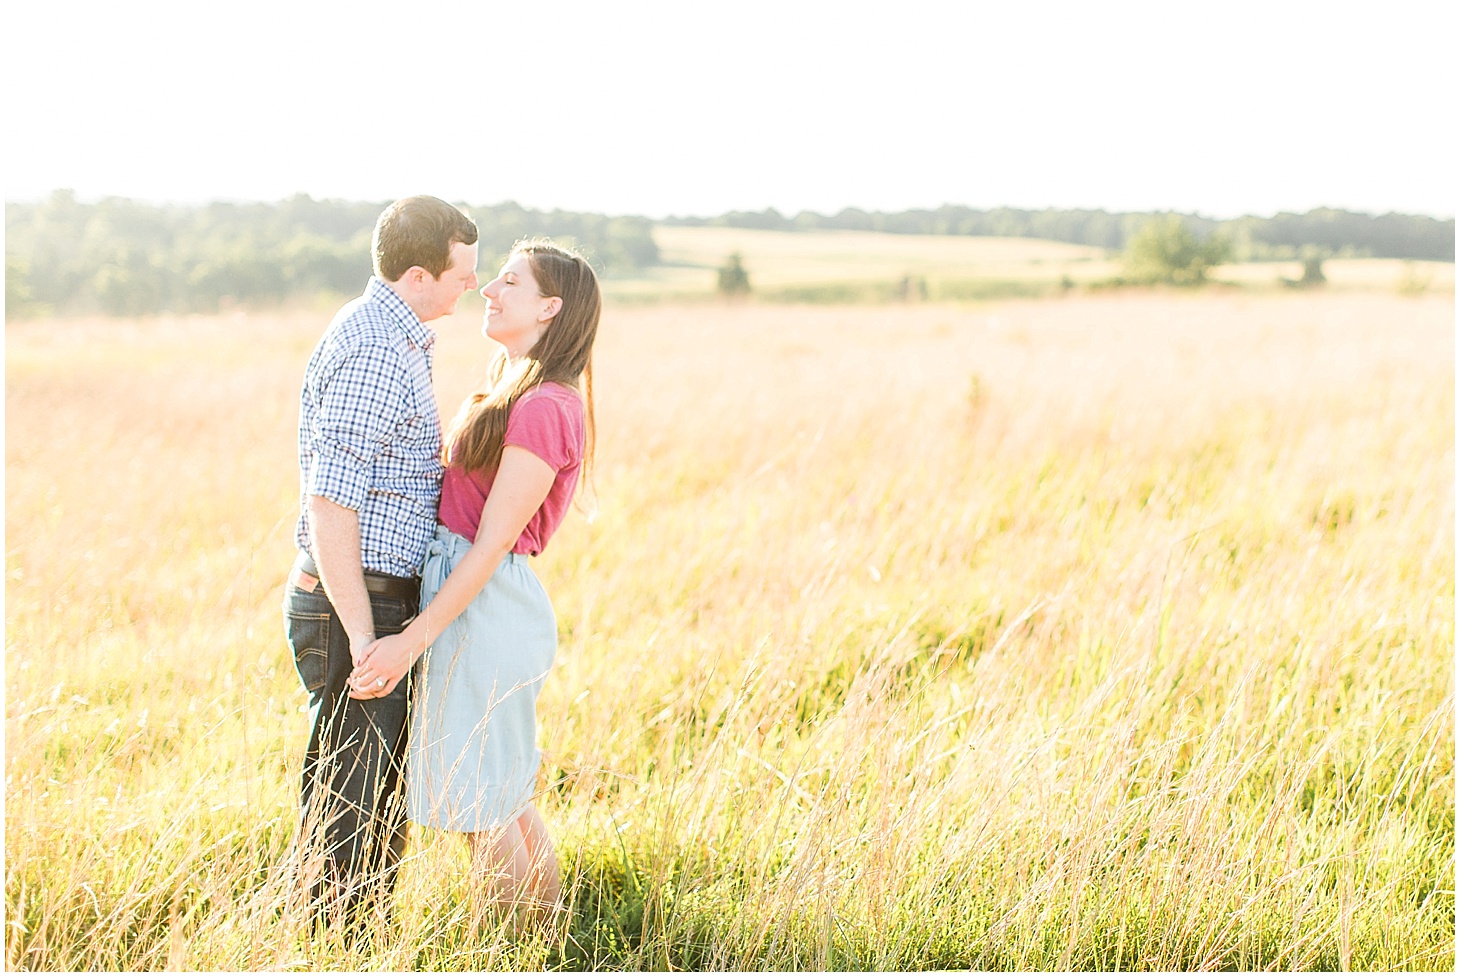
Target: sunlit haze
x: 660, y: 108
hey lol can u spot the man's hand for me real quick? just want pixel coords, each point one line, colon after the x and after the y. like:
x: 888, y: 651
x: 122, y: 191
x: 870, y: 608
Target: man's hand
x: 382, y: 665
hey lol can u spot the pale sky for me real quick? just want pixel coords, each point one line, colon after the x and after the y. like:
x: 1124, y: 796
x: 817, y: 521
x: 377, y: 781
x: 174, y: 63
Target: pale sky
x: 660, y: 108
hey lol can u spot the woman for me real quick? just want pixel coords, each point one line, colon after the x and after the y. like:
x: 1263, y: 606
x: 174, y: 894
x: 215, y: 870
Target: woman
x: 513, y: 459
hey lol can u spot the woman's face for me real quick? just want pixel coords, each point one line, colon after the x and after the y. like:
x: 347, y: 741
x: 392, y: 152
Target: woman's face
x: 517, y: 313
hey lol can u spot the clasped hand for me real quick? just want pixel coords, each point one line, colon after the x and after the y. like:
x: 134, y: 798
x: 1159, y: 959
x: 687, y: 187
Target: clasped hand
x: 378, y: 668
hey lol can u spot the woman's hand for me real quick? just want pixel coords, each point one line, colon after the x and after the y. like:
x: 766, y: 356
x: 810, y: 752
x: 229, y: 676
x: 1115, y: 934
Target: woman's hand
x: 383, y: 664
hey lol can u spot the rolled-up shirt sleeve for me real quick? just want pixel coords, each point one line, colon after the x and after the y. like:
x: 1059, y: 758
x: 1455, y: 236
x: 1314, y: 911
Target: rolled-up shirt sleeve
x: 361, y: 395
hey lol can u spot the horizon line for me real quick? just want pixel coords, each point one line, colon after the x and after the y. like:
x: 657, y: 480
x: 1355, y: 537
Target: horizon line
x: 90, y: 198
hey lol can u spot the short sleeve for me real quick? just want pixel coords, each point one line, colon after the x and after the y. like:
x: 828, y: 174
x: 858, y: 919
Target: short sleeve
x: 359, y: 398
x: 549, y: 426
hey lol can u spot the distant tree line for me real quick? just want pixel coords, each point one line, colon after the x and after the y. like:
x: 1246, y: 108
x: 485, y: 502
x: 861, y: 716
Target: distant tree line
x: 1339, y: 233
x: 124, y: 257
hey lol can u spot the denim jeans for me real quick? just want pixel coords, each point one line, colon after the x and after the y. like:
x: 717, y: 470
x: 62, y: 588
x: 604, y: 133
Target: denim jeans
x: 352, y: 806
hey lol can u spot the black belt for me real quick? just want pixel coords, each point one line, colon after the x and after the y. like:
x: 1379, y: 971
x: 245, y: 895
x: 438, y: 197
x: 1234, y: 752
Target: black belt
x: 305, y: 576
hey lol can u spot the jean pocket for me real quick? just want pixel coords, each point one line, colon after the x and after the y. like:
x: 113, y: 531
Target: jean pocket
x: 391, y: 614
x: 309, y: 639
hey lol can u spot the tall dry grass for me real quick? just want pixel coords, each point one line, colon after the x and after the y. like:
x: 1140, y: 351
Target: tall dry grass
x: 1114, y: 632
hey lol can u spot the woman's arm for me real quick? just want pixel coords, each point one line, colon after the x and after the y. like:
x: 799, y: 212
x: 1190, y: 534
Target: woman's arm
x: 522, y: 483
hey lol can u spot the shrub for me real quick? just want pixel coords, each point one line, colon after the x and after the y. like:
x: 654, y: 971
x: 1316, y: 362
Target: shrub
x: 1166, y: 251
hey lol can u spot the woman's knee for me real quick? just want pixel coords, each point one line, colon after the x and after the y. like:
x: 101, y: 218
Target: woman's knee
x: 500, y: 848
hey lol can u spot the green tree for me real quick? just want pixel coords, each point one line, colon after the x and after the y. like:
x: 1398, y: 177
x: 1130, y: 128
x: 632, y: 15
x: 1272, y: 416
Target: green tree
x: 130, y: 284
x: 19, y: 300
x: 1166, y: 250
x: 1313, y: 270
x: 734, y: 281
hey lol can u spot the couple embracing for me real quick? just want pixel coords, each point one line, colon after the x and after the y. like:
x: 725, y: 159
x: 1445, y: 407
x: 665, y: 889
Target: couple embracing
x: 419, y: 630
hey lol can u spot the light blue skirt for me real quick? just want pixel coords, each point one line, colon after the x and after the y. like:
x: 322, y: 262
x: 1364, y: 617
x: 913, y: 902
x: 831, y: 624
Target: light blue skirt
x: 473, y: 757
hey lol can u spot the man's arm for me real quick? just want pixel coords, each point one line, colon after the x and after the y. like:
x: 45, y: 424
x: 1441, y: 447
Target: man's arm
x: 335, y: 531
x: 360, y: 395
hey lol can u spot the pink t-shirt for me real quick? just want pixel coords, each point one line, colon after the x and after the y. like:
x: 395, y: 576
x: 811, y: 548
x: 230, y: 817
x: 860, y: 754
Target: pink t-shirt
x: 548, y: 421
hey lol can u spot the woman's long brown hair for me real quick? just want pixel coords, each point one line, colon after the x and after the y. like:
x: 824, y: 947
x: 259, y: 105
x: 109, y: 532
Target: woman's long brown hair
x: 562, y: 354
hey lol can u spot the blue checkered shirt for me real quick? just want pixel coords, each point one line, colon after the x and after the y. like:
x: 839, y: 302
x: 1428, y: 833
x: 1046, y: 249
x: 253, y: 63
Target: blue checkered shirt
x: 369, y: 432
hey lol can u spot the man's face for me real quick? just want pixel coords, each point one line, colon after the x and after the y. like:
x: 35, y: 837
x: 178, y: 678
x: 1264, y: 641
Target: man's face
x: 438, y: 295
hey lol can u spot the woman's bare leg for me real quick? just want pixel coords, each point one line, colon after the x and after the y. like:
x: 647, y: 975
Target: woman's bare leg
x: 545, y: 878
x: 514, y: 870
x: 498, y: 866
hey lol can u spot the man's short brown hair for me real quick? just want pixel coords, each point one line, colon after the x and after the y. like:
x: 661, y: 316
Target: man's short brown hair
x: 418, y: 231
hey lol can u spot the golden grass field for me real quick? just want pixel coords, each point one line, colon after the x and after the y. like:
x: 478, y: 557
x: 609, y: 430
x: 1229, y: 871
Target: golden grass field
x: 1105, y: 632
x: 780, y: 262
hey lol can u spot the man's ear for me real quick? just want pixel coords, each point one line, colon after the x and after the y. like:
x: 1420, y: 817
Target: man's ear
x: 415, y: 275
x: 551, y: 308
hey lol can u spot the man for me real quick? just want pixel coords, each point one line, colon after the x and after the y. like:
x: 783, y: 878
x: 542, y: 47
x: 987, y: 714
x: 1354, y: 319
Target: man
x: 370, y: 480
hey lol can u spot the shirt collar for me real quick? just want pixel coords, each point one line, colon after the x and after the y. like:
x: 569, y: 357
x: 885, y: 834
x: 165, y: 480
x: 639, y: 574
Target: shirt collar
x: 416, y: 331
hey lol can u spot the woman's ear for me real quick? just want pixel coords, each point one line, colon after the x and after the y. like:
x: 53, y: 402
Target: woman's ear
x: 551, y: 308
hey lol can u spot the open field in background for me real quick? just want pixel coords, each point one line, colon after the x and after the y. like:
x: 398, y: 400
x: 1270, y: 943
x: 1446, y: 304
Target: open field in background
x: 1110, y: 632
x: 855, y: 265
x: 779, y: 258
